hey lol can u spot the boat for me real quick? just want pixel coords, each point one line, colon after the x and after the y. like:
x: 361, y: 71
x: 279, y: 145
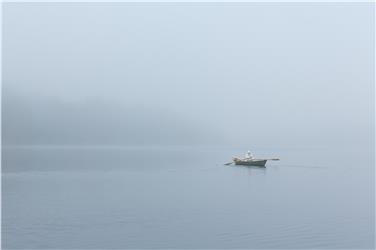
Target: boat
x: 250, y: 162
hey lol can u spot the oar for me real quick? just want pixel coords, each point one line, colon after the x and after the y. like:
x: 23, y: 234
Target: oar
x: 229, y: 163
x: 274, y: 159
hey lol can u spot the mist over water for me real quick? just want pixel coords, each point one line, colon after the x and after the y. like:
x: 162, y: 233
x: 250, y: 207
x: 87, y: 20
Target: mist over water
x: 246, y: 74
x: 117, y: 119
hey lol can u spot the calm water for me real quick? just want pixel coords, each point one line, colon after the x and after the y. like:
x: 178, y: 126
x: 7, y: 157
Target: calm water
x: 113, y: 197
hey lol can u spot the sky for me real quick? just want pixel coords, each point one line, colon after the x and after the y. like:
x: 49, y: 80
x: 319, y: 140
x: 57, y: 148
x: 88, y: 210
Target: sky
x: 241, y: 74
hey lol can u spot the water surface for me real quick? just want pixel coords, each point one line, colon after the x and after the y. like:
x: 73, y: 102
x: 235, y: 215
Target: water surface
x: 184, y: 197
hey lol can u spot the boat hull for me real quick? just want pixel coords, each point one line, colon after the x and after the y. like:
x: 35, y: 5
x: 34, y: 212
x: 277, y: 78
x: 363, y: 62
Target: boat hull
x: 259, y: 163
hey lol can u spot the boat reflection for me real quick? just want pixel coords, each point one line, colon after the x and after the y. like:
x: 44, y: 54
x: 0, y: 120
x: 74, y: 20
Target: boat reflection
x: 252, y: 170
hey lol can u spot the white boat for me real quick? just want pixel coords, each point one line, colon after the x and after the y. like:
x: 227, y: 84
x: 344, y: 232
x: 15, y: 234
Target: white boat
x: 250, y: 162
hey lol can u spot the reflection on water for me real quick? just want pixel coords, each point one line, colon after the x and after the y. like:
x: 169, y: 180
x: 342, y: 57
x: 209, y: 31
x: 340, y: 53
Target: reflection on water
x: 252, y: 170
x: 134, y: 197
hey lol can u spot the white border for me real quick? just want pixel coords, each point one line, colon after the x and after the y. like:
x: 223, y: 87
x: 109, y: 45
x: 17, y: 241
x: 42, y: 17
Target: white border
x: 189, y: 1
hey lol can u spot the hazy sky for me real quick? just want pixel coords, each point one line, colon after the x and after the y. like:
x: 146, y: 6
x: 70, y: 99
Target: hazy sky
x: 273, y: 74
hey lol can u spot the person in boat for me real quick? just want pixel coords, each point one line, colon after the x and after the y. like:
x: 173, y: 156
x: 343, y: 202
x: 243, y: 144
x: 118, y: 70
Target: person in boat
x: 248, y: 155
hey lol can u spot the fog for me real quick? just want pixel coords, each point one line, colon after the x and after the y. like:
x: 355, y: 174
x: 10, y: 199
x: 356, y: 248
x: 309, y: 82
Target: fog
x: 244, y: 74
